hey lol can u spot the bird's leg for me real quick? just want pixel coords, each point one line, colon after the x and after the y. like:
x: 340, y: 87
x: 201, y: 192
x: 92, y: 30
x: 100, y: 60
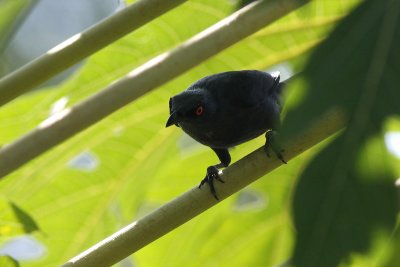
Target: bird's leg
x: 272, y: 142
x: 213, y: 171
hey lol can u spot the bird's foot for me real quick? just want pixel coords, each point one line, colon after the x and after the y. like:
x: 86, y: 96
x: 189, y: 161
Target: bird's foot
x: 212, y: 174
x: 272, y: 143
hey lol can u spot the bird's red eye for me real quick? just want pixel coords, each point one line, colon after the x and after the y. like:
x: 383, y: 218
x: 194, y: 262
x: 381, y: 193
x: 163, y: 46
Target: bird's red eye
x: 199, y: 110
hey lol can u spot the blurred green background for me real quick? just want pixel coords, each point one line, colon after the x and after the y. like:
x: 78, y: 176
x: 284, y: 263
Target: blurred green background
x: 128, y: 164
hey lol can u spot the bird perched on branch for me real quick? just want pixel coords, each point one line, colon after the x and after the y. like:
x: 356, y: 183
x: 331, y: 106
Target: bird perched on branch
x: 227, y: 109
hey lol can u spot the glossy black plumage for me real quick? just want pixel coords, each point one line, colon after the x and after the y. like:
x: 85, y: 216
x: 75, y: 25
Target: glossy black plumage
x: 227, y: 109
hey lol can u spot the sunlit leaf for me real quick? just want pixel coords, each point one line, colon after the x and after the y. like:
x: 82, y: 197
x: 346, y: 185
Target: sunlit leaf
x: 129, y: 164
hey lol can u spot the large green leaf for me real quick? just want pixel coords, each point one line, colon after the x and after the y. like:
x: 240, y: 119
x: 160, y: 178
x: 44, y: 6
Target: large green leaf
x: 129, y: 164
x: 338, y: 211
x: 346, y: 199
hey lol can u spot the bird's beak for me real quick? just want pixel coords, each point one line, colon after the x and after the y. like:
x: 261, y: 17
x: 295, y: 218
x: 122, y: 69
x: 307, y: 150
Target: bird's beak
x: 173, y: 119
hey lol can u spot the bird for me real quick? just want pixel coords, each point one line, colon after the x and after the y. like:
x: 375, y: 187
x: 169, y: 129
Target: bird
x: 226, y: 109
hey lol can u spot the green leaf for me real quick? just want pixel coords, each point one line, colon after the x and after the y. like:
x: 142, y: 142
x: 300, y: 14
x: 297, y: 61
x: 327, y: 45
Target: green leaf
x: 133, y: 164
x: 394, y: 257
x: 346, y: 200
x: 355, y: 69
x: 340, y: 209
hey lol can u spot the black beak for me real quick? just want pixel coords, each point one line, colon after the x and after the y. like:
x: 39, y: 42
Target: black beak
x: 173, y: 119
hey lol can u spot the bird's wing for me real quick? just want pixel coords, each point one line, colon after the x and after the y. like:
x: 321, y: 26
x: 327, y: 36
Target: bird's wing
x: 244, y: 89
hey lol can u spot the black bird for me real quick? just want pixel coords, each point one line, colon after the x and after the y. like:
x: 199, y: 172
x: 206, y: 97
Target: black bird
x: 227, y: 109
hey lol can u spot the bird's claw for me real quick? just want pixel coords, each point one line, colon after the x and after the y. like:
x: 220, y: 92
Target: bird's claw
x: 273, y: 144
x: 212, y: 174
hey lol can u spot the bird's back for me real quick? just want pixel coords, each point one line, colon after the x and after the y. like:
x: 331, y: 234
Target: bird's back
x: 243, y: 89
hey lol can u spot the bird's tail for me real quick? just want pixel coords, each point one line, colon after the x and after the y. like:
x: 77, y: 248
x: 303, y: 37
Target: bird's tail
x: 278, y: 95
x: 279, y: 88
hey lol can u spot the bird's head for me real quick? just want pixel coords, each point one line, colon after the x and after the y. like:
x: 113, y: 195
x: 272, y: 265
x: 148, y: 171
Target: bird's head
x: 190, y: 107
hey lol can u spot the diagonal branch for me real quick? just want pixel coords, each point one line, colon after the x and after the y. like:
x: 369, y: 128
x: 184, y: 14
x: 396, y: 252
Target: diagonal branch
x: 185, y: 207
x: 142, y: 80
x: 82, y: 45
